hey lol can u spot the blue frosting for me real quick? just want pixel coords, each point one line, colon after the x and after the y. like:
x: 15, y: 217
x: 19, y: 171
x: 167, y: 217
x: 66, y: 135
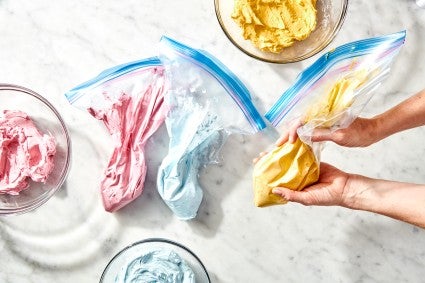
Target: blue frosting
x: 207, y: 102
x: 158, y: 266
x: 195, y: 138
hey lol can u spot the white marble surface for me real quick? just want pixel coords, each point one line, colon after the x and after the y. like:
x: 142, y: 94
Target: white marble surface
x: 50, y: 46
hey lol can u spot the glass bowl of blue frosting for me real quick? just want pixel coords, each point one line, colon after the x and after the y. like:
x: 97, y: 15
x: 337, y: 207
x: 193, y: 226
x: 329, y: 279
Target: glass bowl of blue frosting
x: 155, y: 260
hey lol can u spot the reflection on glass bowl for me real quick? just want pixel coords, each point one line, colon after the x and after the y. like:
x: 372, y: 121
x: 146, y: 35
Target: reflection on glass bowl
x: 330, y: 17
x: 48, y: 120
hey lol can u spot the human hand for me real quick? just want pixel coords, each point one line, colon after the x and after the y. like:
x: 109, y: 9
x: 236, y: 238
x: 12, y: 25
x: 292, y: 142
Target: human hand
x: 361, y: 132
x: 331, y: 189
x: 290, y: 135
x: 255, y: 160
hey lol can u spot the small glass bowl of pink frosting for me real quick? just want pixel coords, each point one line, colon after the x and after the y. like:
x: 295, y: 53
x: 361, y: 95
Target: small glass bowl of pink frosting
x: 34, y: 150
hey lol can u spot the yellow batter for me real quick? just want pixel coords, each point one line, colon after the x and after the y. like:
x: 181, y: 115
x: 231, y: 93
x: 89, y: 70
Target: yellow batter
x: 294, y: 166
x: 272, y: 25
x: 327, y: 112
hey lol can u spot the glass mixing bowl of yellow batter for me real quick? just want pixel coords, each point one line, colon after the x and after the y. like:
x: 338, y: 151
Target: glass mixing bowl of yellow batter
x: 330, y: 16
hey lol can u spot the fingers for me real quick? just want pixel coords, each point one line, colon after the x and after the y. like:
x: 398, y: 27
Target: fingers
x: 294, y: 196
x: 312, y: 195
x: 293, y: 131
x: 283, y: 139
x: 290, y: 134
x: 255, y: 160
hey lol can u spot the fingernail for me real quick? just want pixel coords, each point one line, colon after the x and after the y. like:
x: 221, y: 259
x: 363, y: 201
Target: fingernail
x: 277, y: 191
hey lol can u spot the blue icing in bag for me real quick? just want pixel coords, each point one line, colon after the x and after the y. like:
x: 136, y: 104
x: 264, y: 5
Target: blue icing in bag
x: 207, y: 103
x: 194, y: 140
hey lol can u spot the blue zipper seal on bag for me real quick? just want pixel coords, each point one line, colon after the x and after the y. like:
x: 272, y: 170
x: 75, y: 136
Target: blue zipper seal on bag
x: 225, y: 77
x: 110, y: 74
x: 313, y: 73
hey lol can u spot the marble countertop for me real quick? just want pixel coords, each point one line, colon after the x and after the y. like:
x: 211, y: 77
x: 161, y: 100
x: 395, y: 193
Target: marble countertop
x: 50, y: 46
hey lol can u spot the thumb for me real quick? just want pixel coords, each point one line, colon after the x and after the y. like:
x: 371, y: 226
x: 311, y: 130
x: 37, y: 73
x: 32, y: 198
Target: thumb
x: 293, y: 196
x: 321, y: 135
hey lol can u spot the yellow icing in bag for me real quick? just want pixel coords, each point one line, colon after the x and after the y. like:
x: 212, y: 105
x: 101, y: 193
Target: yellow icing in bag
x: 272, y: 25
x: 330, y: 94
x: 327, y: 111
x: 292, y: 166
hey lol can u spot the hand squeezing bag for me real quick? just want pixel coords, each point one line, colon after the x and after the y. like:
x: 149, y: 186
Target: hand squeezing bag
x: 129, y: 100
x: 329, y: 94
x: 207, y: 102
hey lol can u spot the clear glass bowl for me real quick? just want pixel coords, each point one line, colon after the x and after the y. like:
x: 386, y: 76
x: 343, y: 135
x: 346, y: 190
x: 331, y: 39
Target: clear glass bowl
x: 129, y: 253
x: 330, y: 17
x: 48, y: 120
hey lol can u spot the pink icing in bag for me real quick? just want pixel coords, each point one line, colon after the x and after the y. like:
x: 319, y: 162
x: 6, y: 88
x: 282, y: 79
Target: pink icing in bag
x: 129, y: 100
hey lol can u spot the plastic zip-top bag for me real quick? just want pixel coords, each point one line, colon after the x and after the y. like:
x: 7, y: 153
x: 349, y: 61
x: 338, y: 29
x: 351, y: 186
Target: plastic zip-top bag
x: 129, y: 100
x: 207, y: 103
x: 330, y: 94
x: 333, y: 90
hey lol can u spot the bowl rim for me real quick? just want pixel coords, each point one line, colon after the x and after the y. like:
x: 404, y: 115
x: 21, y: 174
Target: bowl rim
x: 37, y: 202
x: 319, y: 48
x: 154, y: 240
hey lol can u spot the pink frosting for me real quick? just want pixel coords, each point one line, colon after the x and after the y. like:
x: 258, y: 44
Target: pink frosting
x: 131, y: 120
x: 24, y: 152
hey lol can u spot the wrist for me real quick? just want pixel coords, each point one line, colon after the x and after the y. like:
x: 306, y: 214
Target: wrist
x: 357, y: 192
x: 375, y: 126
